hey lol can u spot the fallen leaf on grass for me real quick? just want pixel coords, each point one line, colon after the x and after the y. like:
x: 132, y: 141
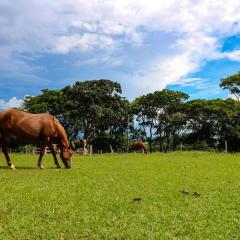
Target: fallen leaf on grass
x: 185, y: 192
x: 137, y: 199
x: 196, y: 194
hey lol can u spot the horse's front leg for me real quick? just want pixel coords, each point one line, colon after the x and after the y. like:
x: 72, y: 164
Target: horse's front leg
x: 54, y: 155
x: 5, y: 149
x: 42, y: 151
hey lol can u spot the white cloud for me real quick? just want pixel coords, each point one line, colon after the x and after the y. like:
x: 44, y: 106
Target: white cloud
x: 233, y: 55
x: 198, y: 83
x: 106, y: 60
x: 11, y: 103
x: 65, y: 26
x: 83, y: 43
x: 170, y: 70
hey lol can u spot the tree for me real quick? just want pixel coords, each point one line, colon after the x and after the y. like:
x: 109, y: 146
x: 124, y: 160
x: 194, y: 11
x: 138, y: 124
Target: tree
x: 96, y: 105
x: 157, y: 113
x: 49, y: 101
x: 232, y: 83
x: 170, y: 117
x: 146, y: 113
x: 211, y: 122
x: 94, y: 108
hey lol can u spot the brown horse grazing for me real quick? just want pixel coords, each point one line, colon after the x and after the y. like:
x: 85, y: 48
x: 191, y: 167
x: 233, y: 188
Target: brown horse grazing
x: 138, y: 145
x: 43, y: 128
x: 75, y: 144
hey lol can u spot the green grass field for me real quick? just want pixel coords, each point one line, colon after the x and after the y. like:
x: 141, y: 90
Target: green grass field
x: 94, y: 199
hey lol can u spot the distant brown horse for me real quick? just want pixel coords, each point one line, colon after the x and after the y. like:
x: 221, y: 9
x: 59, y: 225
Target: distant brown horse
x: 81, y: 143
x: 138, y: 145
x: 43, y: 128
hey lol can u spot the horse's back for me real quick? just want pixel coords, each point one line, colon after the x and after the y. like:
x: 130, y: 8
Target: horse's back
x: 26, y: 125
x: 7, y: 118
x: 138, y: 145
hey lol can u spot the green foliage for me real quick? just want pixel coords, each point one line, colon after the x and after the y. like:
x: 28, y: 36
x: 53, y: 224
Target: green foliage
x: 97, y: 111
x: 157, y: 113
x: 49, y: 101
x: 96, y: 105
x: 181, y: 196
x: 232, y: 83
x: 214, y: 121
x: 86, y: 107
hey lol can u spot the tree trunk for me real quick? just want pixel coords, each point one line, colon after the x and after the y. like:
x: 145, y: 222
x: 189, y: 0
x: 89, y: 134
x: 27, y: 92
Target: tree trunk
x: 168, y: 143
x: 150, y: 140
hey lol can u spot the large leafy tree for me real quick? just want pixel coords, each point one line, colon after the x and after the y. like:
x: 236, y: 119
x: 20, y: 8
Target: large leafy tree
x: 96, y: 105
x: 156, y: 114
x: 170, y: 120
x: 213, y: 122
x: 90, y: 107
x: 232, y: 83
x: 48, y: 101
x: 145, y: 111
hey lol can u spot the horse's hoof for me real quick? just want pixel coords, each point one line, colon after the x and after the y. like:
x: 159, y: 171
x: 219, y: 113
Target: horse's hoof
x: 58, y: 167
x: 12, y: 167
x: 41, y: 167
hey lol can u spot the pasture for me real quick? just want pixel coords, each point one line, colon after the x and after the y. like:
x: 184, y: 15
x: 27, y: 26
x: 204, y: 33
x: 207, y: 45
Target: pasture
x: 189, y: 195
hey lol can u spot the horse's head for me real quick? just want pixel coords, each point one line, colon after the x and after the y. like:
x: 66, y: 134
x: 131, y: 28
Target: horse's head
x: 66, y: 154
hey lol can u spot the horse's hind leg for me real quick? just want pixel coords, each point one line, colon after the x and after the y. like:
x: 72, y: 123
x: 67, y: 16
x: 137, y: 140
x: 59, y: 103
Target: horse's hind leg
x: 54, y: 155
x: 42, y: 151
x: 5, y: 149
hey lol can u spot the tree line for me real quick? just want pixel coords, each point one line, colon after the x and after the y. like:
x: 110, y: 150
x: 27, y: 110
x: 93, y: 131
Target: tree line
x: 97, y: 111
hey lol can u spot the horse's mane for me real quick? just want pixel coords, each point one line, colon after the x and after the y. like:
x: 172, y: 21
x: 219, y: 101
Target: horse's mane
x: 62, y: 134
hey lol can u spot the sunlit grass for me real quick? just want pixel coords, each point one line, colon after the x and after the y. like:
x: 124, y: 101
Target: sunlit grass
x: 177, y: 196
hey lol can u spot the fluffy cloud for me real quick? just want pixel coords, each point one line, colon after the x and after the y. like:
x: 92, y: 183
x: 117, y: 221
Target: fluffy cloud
x: 83, y: 43
x: 11, y: 103
x: 62, y: 27
x: 234, y: 55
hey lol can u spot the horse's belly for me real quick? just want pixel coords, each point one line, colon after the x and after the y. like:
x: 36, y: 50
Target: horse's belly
x: 25, y: 136
x: 26, y: 131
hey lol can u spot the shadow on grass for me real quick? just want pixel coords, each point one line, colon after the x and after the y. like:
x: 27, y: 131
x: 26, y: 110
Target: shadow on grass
x: 26, y: 168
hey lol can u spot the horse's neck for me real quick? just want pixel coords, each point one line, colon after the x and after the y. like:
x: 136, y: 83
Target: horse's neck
x: 62, y: 137
x: 63, y: 141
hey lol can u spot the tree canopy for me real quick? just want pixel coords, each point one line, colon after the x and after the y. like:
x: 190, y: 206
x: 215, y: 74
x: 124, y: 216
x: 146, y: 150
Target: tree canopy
x: 96, y: 111
x: 86, y: 108
x: 95, y: 104
x: 154, y: 112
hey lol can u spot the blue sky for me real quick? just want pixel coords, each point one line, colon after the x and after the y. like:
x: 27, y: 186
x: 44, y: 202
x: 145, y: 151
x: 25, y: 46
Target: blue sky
x: 145, y: 45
